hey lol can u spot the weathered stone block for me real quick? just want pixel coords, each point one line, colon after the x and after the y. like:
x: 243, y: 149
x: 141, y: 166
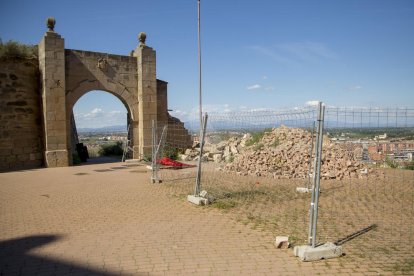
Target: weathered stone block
x: 56, y: 158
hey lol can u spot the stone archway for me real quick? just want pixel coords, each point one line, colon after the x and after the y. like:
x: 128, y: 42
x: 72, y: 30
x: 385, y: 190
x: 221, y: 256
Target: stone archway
x: 66, y: 75
x: 72, y: 131
x: 87, y: 71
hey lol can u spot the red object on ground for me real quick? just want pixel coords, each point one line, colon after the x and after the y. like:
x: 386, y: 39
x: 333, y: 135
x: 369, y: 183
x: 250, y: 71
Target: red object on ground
x: 172, y: 163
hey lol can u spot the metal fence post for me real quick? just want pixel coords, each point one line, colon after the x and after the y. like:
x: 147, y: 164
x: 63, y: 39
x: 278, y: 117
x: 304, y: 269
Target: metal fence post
x: 197, y: 188
x: 154, y: 175
x: 310, y: 156
x: 313, y: 217
x: 124, y: 153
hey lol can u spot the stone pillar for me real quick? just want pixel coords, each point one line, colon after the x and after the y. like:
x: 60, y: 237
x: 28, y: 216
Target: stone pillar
x: 147, y: 96
x: 52, y: 68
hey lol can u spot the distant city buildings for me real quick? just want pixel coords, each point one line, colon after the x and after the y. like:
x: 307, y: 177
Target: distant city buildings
x: 380, y: 148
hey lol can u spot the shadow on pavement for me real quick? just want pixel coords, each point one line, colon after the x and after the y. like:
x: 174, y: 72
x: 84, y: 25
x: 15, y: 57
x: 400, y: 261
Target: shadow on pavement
x: 101, y: 160
x: 15, y: 259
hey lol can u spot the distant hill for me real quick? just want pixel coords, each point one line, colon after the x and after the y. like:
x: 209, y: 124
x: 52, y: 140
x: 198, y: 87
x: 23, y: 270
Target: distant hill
x: 108, y: 129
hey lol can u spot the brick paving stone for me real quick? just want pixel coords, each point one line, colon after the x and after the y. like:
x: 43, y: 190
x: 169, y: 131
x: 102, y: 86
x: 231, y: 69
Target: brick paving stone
x: 55, y: 221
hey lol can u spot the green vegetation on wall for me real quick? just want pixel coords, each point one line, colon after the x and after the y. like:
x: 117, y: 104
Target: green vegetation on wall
x: 14, y: 49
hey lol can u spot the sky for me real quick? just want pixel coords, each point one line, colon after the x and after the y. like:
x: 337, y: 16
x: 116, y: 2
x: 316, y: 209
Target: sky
x: 255, y: 54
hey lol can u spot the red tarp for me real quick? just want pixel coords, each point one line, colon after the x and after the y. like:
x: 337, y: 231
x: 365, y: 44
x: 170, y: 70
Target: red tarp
x: 172, y: 163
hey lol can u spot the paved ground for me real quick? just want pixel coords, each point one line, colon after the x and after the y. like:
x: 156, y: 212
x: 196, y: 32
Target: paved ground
x: 106, y: 219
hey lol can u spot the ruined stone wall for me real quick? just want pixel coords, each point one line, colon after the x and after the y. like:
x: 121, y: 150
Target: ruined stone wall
x: 21, y: 144
x: 177, y: 135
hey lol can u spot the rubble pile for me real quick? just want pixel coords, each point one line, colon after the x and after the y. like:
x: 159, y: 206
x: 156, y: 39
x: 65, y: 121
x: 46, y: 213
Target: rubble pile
x: 281, y: 153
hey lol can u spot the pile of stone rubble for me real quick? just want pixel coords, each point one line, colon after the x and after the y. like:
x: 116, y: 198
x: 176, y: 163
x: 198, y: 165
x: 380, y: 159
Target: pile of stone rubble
x: 281, y: 153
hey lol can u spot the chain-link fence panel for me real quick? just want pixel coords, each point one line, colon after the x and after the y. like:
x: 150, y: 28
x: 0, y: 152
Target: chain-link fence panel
x: 253, y: 163
x: 258, y: 167
x: 367, y: 187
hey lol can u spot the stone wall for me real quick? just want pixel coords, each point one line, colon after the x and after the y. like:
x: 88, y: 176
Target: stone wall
x: 177, y: 134
x: 37, y: 99
x: 21, y: 144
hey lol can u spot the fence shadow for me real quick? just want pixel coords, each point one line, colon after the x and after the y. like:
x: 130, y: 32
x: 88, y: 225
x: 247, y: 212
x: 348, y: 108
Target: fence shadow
x: 355, y: 234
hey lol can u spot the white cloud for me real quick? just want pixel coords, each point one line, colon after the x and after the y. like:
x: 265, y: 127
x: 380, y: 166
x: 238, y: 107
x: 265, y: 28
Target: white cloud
x: 354, y: 87
x: 178, y: 113
x: 96, y: 110
x: 98, y: 117
x: 254, y: 87
x: 308, y: 51
x: 264, y: 77
x: 274, y: 55
x: 113, y: 112
x: 312, y: 103
x: 293, y: 54
x: 94, y: 113
x: 258, y: 109
x: 269, y: 88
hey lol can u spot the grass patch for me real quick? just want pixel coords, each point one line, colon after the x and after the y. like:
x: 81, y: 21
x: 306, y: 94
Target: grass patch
x: 224, y: 204
x: 275, y: 143
x: 409, y: 166
x: 230, y: 199
x: 405, y: 266
x: 256, y: 137
x: 231, y: 159
x: 258, y: 146
x: 243, y: 194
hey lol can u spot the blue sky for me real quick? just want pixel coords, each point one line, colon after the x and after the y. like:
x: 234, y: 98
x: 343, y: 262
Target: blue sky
x: 256, y: 54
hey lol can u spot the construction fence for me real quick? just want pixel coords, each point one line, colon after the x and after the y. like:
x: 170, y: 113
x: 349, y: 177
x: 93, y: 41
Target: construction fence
x: 259, y: 167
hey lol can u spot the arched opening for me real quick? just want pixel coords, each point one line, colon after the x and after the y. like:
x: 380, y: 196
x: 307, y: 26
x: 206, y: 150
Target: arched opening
x: 99, y: 129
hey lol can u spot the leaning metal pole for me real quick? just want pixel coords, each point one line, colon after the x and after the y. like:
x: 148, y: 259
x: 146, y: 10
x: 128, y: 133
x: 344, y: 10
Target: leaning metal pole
x: 310, y: 156
x: 316, y: 176
x: 199, y: 65
x: 197, y: 188
x: 312, y: 209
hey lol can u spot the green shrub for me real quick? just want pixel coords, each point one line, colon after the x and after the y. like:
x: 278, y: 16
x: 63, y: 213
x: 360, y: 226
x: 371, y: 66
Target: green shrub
x: 171, y: 152
x: 256, y: 137
x: 111, y: 149
x: 16, y: 49
x: 76, y: 159
x: 410, y: 166
x: 391, y: 163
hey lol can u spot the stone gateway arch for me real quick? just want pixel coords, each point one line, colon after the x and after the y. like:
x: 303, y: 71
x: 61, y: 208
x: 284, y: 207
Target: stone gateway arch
x: 66, y: 75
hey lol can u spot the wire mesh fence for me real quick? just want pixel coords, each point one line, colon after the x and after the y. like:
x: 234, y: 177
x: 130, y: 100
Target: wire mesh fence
x: 170, y: 140
x: 369, y: 208
x: 254, y: 164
